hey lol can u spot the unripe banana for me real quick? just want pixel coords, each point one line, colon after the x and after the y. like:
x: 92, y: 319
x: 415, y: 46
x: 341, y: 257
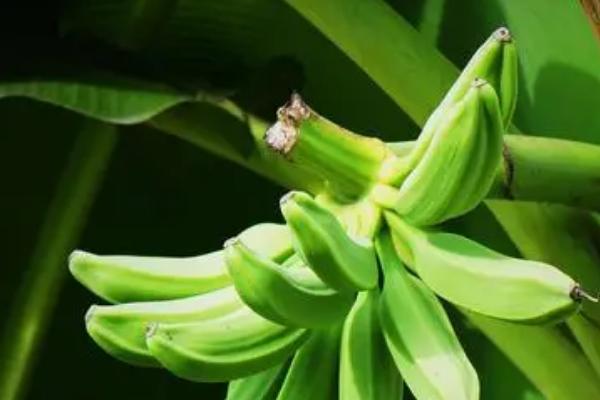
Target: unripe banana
x: 121, y: 329
x: 341, y: 261
x: 420, y: 336
x: 459, y: 165
x: 239, y: 344
x: 264, y: 385
x: 367, y: 370
x: 314, y: 369
x: 495, y: 62
x: 121, y: 279
x: 270, y: 291
x: 479, y: 279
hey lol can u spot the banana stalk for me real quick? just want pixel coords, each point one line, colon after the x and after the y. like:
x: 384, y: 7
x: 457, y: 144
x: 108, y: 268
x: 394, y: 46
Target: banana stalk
x: 347, y: 162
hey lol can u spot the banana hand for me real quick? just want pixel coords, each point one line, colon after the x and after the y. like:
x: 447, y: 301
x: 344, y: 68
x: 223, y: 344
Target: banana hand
x: 495, y: 62
x: 457, y: 169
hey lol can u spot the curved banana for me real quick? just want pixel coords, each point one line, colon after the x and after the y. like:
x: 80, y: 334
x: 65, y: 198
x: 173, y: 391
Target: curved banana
x: 479, y: 279
x: 121, y: 329
x: 342, y: 262
x: 264, y: 385
x: 495, y: 62
x: 121, y: 279
x: 458, y: 167
x: 270, y: 291
x: 367, y: 370
x: 420, y: 336
x: 239, y: 344
x: 314, y: 369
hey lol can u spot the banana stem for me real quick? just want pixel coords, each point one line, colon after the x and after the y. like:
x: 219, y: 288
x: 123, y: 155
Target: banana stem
x: 37, y: 295
x: 544, y: 170
x: 348, y: 162
x: 550, y: 170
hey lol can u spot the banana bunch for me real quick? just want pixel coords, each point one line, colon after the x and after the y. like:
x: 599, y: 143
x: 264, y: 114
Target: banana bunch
x: 343, y: 300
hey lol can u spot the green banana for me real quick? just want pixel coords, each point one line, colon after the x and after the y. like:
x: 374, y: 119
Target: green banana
x: 367, y: 370
x: 121, y: 279
x: 270, y: 291
x: 264, y: 385
x: 343, y: 262
x: 459, y: 165
x: 495, y: 62
x: 121, y: 329
x: 236, y: 345
x: 419, y: 334
x: 481, y: 280
x: 314, y: 369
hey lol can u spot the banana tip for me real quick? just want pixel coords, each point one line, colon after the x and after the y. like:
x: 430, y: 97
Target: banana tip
x: 281, y: 137
x: 151, y: 329
x: 76, y: 255
x: 90, y: 314
x: 578, y: 294
x: 502, y: 34
x: 287, y: 197
x: 479, y: 82
x: 230, y: 242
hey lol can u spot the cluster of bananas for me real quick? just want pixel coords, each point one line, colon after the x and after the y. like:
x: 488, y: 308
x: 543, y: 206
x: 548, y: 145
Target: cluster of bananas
x: 342, y: 300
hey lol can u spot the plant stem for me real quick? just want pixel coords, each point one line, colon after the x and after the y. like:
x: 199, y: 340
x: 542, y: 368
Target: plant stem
x: 545, y: 170
x: 551, y: 170
x: 38, y: 292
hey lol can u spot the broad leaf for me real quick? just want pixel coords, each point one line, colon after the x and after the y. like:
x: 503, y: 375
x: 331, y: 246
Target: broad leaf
x: 95, y: 93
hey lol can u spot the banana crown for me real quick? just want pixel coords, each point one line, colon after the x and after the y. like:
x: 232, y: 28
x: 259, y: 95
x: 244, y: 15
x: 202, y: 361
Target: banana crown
x: 343, y: 300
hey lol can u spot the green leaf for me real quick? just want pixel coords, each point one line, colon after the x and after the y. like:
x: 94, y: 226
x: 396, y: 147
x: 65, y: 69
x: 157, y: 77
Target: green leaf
x: 95, y: 93
x: 535, y: 349
x: 388, y: 49
x: 260, y: 50
x: 34, y: 302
